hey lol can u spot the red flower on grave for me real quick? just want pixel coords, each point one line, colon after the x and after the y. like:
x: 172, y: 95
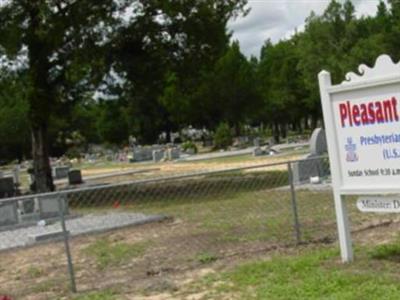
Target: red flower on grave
x: 115, y: 205
x: 5, y: 298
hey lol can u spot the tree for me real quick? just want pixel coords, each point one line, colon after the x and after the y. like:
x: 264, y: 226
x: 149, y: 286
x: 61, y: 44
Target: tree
x: 281, y: 89
x: 13, y: 117
x: 108, y: 128
x: 326, y: 44
x: 223, y: 136
x: 394, y: 28
x: 61, y: 42
x: 165, y: 65
x: 233, y: 88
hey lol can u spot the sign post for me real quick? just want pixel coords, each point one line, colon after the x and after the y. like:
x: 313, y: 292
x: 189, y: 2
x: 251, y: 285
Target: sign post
x: 362, y: 121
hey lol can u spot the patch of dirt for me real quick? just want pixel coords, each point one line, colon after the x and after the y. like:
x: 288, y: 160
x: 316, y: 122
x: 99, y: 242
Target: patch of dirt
x: 167, y: 270
x: 171, y: 168
x: 170, y: 262
x: 377, y: 233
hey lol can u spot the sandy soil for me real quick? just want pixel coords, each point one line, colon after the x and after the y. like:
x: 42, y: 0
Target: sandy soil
x: 166, y: 168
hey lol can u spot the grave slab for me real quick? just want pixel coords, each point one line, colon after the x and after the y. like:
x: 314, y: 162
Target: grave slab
x: 49, y: 206
x: 75, y: 177
x: 8, y: 213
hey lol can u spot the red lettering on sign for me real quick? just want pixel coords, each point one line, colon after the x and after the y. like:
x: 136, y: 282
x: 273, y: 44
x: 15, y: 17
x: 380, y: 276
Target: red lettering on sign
x: 384, y: 111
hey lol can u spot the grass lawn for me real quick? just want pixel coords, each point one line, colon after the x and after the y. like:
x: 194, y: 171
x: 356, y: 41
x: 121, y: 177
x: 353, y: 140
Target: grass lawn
x: 314, y: 274
x: 231, y: 208
x: 305, y: 274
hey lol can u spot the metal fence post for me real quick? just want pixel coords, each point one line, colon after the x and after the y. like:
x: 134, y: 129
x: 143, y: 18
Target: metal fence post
x: 66, y: 243
x: 296, y: 223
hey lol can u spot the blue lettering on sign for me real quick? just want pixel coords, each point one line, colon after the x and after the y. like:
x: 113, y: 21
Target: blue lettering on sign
x: 391, y: 153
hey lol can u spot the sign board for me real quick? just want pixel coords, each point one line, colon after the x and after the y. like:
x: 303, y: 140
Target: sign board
x: 379, y: 204
x: 362, y: 119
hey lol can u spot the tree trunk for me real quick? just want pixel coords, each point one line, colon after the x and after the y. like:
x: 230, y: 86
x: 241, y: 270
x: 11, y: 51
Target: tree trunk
x: 275, y: 132
x: 283, y: 130
x: 306, y: 124
x: 293, y: 126
x: 299, y: 128
x: 41, y: 164
x: 237, y: 129
x: 314, y: 121
x: 41, y: 98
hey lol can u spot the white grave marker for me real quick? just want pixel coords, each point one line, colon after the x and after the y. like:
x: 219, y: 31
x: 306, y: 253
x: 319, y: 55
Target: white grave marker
x: 362, y: 119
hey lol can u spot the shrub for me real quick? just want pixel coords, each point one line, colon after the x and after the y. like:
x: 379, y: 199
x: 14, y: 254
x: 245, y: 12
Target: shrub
x: 223, y: 136
x: 73, y: 152
x: 189, y: 145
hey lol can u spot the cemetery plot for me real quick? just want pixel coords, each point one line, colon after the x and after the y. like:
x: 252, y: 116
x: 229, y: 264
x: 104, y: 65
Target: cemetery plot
x: 160, y: 165
x: 8, y: 214
x: 91, y: 223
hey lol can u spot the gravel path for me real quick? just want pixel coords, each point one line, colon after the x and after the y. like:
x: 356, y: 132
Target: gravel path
x: 83, y: 225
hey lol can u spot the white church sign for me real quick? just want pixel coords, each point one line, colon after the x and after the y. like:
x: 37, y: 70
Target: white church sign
x: 362, y: 119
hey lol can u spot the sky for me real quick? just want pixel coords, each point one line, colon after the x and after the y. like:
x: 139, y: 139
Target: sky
x: 278, y: 19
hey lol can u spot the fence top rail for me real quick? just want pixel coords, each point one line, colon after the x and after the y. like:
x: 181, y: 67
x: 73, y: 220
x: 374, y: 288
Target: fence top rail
x: 153, y: 180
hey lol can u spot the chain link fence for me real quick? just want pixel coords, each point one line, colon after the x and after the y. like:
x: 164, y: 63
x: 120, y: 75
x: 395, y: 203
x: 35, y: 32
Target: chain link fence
x: 135, y: 235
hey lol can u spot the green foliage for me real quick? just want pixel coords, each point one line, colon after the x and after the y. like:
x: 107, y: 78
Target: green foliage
x: 206, y: 258
x: 233, y: 88
x: 102, y: 295
x: 107, y: 253
x: 73, y: 152
x: 315, y: 275
x: 281, y: 87
x: 223, y: 136
x: 387, y: 251
x: 189, y: 145
x: 14, y: 126
x: 108, y: 129
x: 146, y: 83
x: 35, y: 272
x: 165, y: 77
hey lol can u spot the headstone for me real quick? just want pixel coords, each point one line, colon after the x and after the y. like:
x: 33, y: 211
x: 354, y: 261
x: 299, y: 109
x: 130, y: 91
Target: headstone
x: 132, y: 141
x: 257, y: 152
x: 303, y: 170
x: 241, y: 141
x: 60, y: 172
x: 142, y: 154
x: 27, y: 206
x: 75, y: 177
x: 158, y: 155
x: 318, y: 142
x: 49, y: 206
x: 208, y: 142
x: 8, y: 213
x: 16, y: 171
x: 173, y: 153
x: 312, y: 165
x: 28, y: 210
x: 190, y: 151
x: 7, y: 187
x: 257, y: 142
